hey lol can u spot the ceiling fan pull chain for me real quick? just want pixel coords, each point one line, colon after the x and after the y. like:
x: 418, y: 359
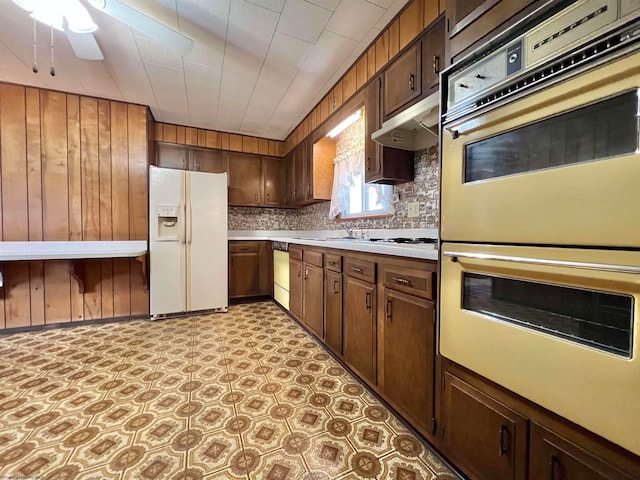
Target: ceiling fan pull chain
x: 35, y: 49
x: 53, y: 69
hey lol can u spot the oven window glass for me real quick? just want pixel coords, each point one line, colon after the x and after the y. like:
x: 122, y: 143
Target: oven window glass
x: 600, y: 320
x: 605, y: 129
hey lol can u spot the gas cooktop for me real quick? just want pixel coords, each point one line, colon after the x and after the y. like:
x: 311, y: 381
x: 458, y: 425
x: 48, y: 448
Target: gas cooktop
x: 405, y: 240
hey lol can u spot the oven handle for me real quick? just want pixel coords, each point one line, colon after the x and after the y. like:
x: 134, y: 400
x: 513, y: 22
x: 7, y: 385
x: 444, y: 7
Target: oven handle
x: 602, y: 267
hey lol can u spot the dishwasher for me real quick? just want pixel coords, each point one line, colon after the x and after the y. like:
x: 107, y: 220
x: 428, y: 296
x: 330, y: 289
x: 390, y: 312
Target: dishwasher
x: 281, y: 273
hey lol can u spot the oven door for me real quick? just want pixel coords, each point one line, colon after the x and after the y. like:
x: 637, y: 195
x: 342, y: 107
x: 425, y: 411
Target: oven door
x: 560, y: 166
x: 557, y: 326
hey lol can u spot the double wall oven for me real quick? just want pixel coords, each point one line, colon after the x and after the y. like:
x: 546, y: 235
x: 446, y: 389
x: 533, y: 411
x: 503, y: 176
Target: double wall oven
x: 541, y: 214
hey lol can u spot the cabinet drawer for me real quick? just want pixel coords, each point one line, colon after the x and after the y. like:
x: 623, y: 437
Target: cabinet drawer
x: 360, y: 269
x: 313, y: 258
x: 295, y: 252
x: 415, y: 282
x: 334, y: 262
x: 243, y: 247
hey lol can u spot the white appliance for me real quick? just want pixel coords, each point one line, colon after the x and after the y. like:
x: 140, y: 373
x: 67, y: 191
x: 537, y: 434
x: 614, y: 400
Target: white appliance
x: 188, y: 241
x: 281, y: 273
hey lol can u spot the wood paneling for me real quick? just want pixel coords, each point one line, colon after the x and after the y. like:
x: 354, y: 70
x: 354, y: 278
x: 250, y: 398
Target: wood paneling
x: 431, y: 12
x: 382, y: 50
x: 361, y: 71
x: 394, y: 38
x: 371, y: 61
x: 72, y: 168
x: 349, y: 86
x: 410, y: 22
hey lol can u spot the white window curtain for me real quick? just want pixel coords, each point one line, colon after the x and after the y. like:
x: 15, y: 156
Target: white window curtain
x: 349, y: 173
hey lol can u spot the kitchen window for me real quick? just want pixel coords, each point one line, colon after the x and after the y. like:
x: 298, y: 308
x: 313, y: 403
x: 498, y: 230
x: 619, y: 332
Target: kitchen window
x: 351, y: 197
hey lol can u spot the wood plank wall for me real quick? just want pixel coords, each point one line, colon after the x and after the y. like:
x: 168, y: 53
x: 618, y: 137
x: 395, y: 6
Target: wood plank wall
x: 198, y: 137
x: 408, y: 25
x: 71, y: 168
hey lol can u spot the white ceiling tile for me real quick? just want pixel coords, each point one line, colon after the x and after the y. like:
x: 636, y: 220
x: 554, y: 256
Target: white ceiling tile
x: 328, y: 54
x: 382, y: 3
x: 199, y: 73
x: 286, y: 50
x: 211, y: 16
x: 155, y: 53
x: 328, y: 4
x: 354, y: 18
x: 251, y: 27
x: 274, y: 5
x: 303, y: 20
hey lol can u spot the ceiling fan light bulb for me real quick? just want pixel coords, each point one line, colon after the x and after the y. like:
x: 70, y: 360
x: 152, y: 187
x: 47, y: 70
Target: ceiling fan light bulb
x: 49, y: 14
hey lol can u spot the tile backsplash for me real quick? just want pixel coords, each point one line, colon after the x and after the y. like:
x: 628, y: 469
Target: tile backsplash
x: 424, y: 189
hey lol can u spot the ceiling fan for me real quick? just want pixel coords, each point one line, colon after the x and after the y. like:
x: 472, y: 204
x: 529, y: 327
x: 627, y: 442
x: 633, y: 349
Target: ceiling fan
x: 73, y: 18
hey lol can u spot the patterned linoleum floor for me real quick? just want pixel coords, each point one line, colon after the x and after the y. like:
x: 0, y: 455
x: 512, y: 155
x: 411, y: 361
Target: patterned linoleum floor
x: 242, y: 395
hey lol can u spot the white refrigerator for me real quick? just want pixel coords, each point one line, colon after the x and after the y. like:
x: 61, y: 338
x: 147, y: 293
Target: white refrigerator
x: 188, y: 241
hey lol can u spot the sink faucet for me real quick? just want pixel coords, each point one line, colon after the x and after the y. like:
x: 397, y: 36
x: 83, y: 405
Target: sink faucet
x: 348, y: 230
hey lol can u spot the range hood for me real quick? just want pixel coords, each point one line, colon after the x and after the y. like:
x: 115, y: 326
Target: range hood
x: 413, y: 129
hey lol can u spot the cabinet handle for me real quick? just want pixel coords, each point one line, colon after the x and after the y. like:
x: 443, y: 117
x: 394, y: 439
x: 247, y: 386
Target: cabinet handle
x: 357, y: 270
x: 367, y: 301
x: 552, y: 464
x: 412, y: 81
x: 308, y: 189
x: 333, y: 264
x: 401, y: 280
x: 335, y: 287
x: 368, y: 163
x: 387, y: 309
x: 298, y: 270
x: 198, y: 166
x: 256, y: 197
x: 306, y: 273
x: 436, y: 64
x: 268, y: 196
x: 502, y: 451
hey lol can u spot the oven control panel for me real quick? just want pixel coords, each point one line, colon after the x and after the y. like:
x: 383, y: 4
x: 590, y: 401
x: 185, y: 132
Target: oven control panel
x: 485, y: 74
x: 557, y: 44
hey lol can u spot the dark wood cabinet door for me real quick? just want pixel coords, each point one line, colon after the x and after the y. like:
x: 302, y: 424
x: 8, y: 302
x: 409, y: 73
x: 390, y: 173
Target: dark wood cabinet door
x: 245, y: 179
x: 313, y: 302
x: 433, y: 57
x: 402, y: 80
x: 555, y: 458
x: 307, y: 153
x: 373, y: 121
x: 295, y: 288
x: 408, y: 363
x: 272, y: 178
x: 483, y: 437
x: 207, y: 160
x: 244, y: 274
x: 333, y: 311
x: 299, y: 159
x: 290, y: 179
x: 172, y: 156
x: 359, y: 327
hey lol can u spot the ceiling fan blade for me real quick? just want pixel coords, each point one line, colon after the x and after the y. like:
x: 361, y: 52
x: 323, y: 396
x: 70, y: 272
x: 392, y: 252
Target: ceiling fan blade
x: 84, y: 45
x: 146, y: 25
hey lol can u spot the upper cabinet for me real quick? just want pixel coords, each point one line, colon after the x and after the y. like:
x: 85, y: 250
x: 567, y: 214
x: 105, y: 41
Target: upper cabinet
x: 169, y: 155
x: 402, y: 81
x: 309, y: 175
x: 468, y: 21
x: 254, y: 180
x: 433, y: 56
x: 415, y: 74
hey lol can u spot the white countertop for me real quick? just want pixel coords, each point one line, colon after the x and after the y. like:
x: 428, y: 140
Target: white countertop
x: 71, y: 250
x: 317, y: 238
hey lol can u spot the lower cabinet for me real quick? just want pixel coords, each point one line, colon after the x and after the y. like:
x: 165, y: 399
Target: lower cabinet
x: 360, y: 319
x: 250, y: 269
x: 333, y: 309
x: 407, y: 363
x: 491, y: 433
x: 483, y: 437
x: 306, y: 288
x: 553, y: 457
x: 312, y: 297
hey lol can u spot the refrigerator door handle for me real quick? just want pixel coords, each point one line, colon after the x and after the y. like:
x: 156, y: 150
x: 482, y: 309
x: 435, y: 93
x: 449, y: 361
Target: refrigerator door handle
x: 189, y: 225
